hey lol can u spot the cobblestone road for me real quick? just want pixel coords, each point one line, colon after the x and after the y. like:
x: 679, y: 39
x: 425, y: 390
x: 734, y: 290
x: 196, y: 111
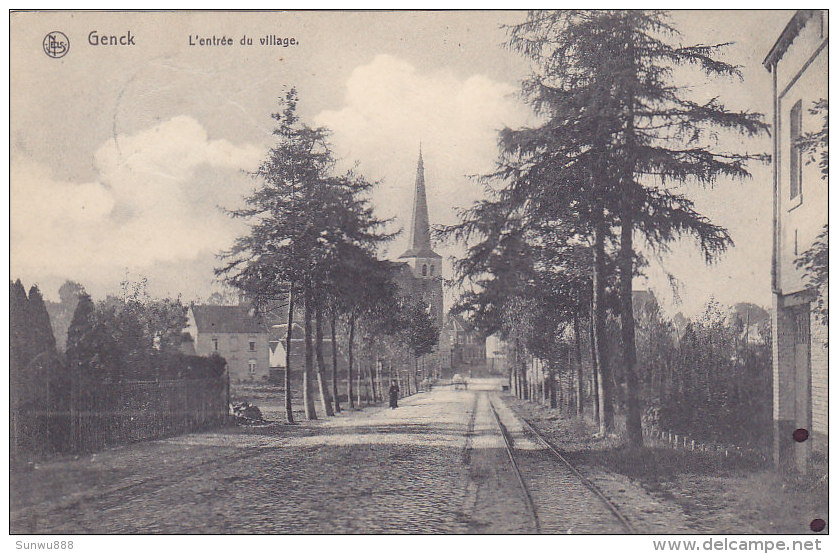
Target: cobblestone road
x: 435, y: 465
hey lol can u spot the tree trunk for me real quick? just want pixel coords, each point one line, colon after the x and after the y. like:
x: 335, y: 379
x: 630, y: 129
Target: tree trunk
x: 665, y: 381
x: 625, y: 261
x: 350, y: 352
x: 552, y: 388
x: 524, y: 385
x: 533, y: 384
x: 546, y: 380
x: 370, y: 378
x: 594, y: 373
x: 580, y: 383
x: 289, y: 412
x: 325, y: 402
x: 512, y: 359
x: 544, y: 393
x: 334, y: 323
x: 561, y: 393
x: 380, y: 383
x: 513, y: 379
x: 606, y: 382
x: 358, y: 383
x: 626, y: 255
x: 311, y: 413
x: 379, y: 378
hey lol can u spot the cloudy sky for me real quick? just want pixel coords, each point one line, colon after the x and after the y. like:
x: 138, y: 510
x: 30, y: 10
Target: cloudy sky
x: 123, y: 156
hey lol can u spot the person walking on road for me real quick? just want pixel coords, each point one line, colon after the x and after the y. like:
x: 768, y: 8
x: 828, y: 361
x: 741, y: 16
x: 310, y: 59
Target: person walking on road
x: 394, y: 395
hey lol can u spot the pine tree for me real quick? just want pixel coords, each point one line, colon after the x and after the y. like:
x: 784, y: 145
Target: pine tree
x: 272, y: 261
x: 421, y: 333
x: 606, y: 81
x: 81, y: 356
x: 61, y: 313
x: 79, y: 348
x: 495, y: 275
x: 364, y: 291
x: 19, y: 327
x: 19, y: 354
x: 304, y: 221
x: 42, y: 339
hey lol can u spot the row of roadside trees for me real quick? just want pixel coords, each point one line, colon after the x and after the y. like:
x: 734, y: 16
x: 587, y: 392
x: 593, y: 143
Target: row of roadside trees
x: 554, y: 247
x: 312, y: 240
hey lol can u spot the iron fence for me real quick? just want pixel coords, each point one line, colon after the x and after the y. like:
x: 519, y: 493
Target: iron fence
x: 95, y: 415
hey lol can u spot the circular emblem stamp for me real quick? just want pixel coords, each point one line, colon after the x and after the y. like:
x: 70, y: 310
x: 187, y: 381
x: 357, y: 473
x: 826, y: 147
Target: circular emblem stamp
x: 56, y: 44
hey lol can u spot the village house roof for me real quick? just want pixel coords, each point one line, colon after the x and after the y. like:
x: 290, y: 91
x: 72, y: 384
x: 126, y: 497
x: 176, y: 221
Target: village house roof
x: 643, y: 298
x: 227, y: 319
x: 458, y: 321
x: 276, y: 341
x: 279, y: 332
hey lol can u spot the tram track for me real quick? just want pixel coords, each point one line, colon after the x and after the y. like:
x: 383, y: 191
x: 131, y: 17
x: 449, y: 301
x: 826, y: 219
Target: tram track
x: 510, y: 448
x: 561, y: 498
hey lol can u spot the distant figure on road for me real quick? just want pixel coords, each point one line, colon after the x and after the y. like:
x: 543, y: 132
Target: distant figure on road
x: 394, y: 395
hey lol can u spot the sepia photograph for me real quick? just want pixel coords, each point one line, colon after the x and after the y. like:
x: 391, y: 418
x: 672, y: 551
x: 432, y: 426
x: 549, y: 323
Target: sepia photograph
x: 420, y: 272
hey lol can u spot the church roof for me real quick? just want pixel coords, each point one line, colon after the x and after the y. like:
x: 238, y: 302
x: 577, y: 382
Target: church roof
x: 420, y: 253
x: 420, y: 228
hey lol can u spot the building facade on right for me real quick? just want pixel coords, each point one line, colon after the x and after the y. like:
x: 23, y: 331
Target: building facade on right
x: 798, y: 62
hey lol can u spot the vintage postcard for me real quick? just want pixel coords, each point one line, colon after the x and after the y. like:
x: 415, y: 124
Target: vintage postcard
x: 420, y: 272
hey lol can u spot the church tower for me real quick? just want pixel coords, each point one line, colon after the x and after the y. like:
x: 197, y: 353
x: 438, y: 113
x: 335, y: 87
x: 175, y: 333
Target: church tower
x: 425, y: 264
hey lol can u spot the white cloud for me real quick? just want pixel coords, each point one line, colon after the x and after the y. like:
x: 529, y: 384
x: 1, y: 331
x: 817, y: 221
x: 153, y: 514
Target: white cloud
x: 390, y: 107
x: 151, y: 202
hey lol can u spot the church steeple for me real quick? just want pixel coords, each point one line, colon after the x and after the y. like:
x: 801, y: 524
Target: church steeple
x: 424, y: 266
x: 420, y: 232
x: 420, y: 229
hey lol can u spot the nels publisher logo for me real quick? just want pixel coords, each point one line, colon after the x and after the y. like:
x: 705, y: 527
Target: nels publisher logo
x: 56, y: 44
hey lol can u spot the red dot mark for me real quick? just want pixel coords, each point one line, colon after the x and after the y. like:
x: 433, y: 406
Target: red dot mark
x: 800, y: 435
x: 817, y: 525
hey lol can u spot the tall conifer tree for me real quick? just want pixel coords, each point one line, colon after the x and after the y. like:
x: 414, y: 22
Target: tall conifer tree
x: 43, y: 339
x: 609, y: 77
